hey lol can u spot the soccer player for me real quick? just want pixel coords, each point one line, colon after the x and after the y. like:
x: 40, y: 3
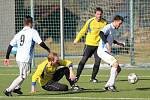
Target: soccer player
x: 92, y: 27
x: 25, y: 41
x: 50, y: 71
x: 104, y: 50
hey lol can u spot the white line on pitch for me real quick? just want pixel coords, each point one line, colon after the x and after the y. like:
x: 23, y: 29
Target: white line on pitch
x: 81, y: 75
x: 85, y: 98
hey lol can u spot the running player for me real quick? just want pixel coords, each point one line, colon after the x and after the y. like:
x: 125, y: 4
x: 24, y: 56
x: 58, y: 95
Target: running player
x: 92, y: 27
x: 104, y: 50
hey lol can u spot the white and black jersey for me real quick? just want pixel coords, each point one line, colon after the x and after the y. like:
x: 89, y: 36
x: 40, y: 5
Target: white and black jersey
x: 108, y: 31
x: 25, y: 41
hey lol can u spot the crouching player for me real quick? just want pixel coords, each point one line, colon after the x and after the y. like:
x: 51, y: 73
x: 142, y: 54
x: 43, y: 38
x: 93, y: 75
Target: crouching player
x: 104, y: 50
x: 50, y: 71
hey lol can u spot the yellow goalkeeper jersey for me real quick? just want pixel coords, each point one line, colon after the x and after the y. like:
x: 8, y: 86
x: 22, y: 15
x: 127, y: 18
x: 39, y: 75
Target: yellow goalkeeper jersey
x: 92, y: 27
x: 45, y: 71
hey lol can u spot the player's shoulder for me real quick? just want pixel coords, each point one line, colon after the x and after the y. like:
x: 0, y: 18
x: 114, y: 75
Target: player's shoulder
x: 43, y: 63
x: 34, y: 30
x: 104, y: 21
x: 89, y: 20
x: 107, y: 27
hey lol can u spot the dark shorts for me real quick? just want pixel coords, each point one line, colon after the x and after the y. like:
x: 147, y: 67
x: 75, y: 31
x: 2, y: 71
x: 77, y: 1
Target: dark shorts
x: 53, y: 85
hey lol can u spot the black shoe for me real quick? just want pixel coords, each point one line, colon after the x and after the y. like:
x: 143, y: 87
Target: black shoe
x: 18, y: 91
x: 76, y: 88
x: 110, y: 88
x: 7, y: 93
x: 94, y: 80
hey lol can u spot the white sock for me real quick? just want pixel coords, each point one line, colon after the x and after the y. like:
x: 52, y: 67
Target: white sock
x: 18, y: 86
x: 112, y: 78
x: 14, y: 84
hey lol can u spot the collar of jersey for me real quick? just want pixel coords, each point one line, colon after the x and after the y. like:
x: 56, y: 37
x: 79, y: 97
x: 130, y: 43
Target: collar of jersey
x: 26, y: 27
x: 112, y: 26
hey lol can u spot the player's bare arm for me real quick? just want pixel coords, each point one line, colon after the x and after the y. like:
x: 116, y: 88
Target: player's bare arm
x: 72, y: 75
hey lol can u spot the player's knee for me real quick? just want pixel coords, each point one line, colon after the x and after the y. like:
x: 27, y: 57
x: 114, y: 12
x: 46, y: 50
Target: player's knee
x: 81, y: 63
x: 115, y: 64
x: 23, y: 76
x: 66, y: 70
x: 83, y: 60
x: 97, y: 62
x: 118, y: 69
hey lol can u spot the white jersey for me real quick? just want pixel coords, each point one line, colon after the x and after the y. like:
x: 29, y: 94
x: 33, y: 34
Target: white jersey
x: 25, y: 41
x: 102, y: 50
x: 108, y: 31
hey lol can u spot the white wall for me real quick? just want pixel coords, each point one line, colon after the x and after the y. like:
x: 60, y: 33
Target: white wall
x: 7, y: 22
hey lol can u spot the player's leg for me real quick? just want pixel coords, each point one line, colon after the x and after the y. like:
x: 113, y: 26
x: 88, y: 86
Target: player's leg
x: 55, y: 86
x: 65, y: 71
x: 95, y: 67
x: 26, y: 69
x: 15, y: 85
x: 86, y: 54
x: 108, y: 58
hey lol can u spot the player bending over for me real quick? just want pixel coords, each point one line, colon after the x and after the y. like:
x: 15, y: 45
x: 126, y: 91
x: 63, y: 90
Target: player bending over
x: 50, y: 71
x: 25, y: 41
x: 104, y: 50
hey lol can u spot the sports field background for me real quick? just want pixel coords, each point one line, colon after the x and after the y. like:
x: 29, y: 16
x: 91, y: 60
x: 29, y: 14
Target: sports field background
x: 93, y: 91
x: 46, y: 15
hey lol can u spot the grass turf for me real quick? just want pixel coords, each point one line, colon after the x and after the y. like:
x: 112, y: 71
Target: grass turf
x: 140, y: 90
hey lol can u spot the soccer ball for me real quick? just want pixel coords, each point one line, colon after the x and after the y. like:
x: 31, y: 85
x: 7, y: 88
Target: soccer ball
x: 132, y: 78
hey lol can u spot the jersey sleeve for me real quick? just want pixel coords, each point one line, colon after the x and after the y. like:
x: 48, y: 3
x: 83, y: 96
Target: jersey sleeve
x: 36, y: 37
x: 13, y: 42
x: 82, y: 31
x: 105, y: 30
x: 37, y: 73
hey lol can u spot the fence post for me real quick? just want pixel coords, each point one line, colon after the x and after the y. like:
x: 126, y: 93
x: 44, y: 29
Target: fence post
x: 62, y: 28
x: 132, y: 60
x: 32, y: 15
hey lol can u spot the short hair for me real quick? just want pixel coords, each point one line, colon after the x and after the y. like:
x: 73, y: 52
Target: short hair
x: 99, y: 9
x: 118, y: 17
x: 51, y: 56
x: 28, y: 19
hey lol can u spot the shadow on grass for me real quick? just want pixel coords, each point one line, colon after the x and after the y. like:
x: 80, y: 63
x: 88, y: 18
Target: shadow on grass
x: 67, y: 92
x: 139, y: 79
x: 143, y: 89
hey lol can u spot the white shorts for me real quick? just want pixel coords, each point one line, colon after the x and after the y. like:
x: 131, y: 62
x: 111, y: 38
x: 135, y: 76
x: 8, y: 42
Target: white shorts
x: 24, y: 69
x: 106, y: 57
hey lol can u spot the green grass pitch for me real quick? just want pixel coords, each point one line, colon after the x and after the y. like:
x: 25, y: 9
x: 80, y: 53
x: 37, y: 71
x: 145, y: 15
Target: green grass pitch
x: 93, y: 91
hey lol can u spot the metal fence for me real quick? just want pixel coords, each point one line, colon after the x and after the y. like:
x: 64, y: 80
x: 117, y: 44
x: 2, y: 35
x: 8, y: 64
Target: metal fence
x: 134, y: 32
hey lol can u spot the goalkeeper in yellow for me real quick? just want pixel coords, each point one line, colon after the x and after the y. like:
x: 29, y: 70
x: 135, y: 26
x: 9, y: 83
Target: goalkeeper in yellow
x: 50, y: 71
x: 92, y: 27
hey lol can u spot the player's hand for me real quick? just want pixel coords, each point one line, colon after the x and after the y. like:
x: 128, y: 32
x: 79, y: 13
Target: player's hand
x: 33, y: 90
x: 121, y: 44
x: 72, y: 76
x: 108, y: 47
x: 75, y: 42
x: 6, y: 62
